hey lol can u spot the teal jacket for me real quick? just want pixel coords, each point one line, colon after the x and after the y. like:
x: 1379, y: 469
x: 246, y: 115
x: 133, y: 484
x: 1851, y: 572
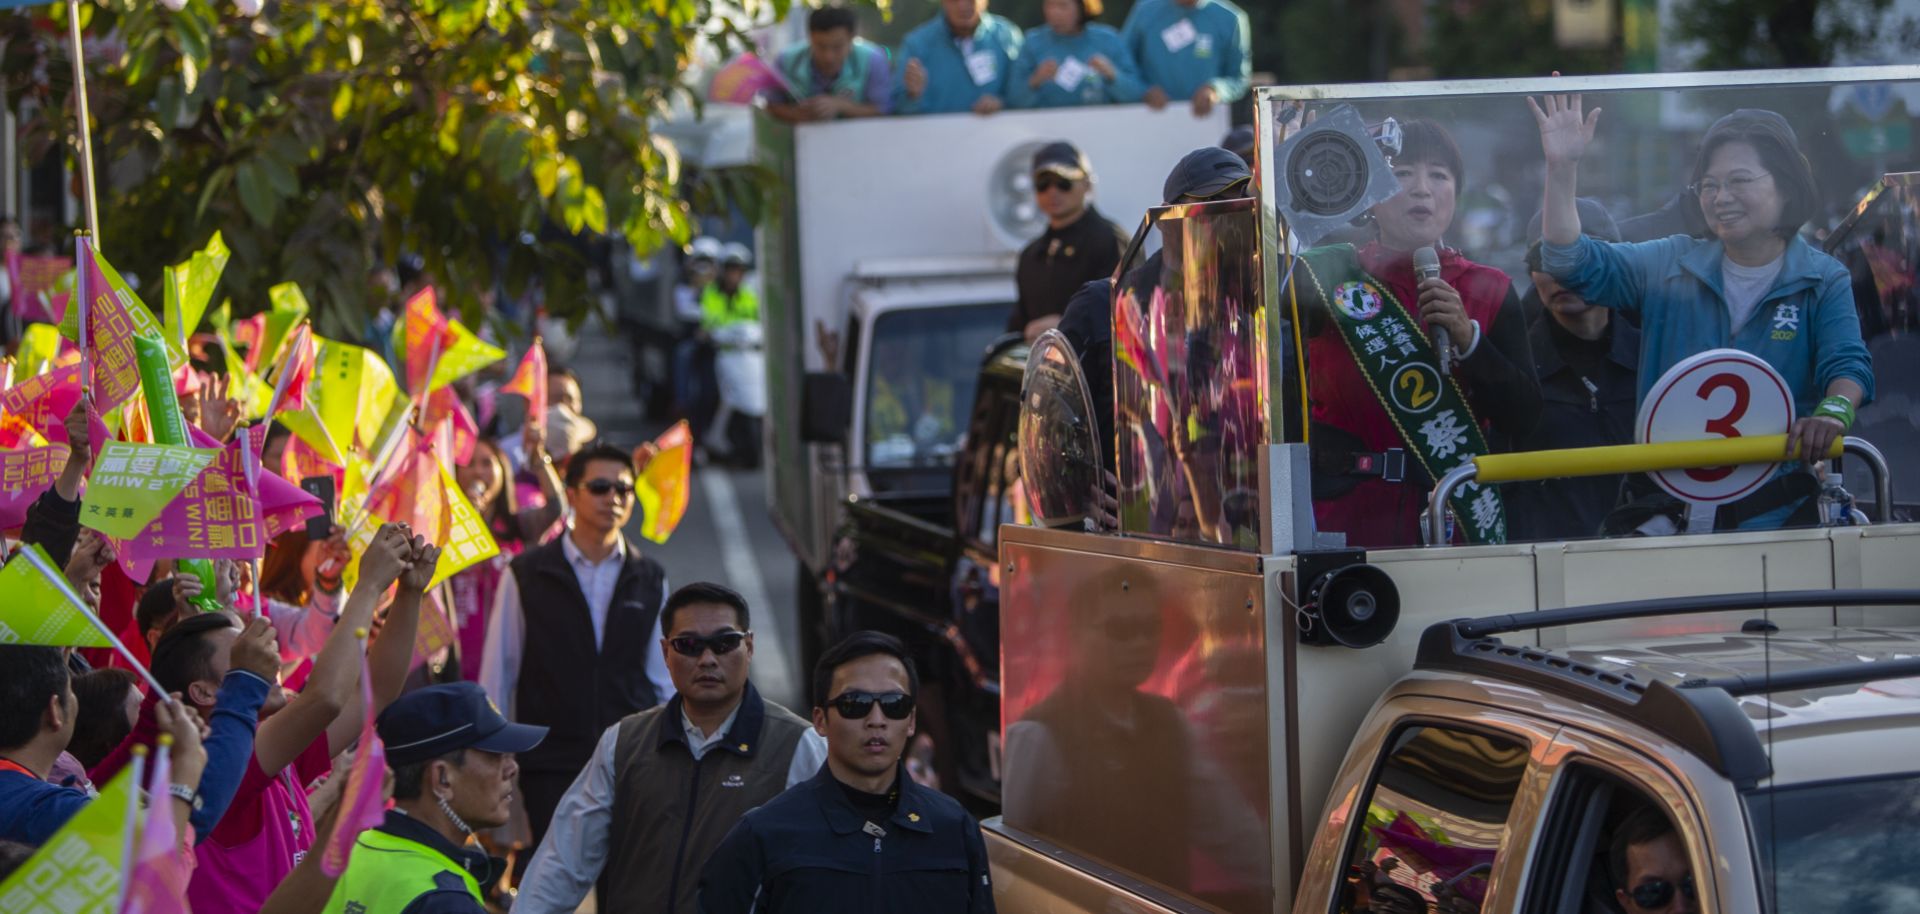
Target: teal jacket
x: 1091, y: 88
x: 863, y: 78
x: 952, y: 85
x: 1805, y: 327
x: 1182, y: 48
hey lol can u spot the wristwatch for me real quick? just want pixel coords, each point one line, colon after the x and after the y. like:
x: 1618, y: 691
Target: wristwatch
x: 183, y: 792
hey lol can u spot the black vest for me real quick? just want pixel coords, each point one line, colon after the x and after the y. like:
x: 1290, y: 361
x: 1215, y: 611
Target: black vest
x: 670, y: 812
x: 565, y: 685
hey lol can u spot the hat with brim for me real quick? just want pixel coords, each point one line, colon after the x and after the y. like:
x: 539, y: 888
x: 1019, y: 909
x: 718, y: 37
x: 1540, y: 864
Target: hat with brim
x: 1063, y: 159
x: 1205, y: 172
x: 428, y: 723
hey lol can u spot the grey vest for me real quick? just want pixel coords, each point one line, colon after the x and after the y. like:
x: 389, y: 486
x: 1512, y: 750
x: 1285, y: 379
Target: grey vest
x: 670, y: 812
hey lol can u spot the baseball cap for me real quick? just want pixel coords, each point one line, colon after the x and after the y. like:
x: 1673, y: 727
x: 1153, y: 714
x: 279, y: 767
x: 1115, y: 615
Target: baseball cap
x: 1062, y: 159
x: 431, y: 722
x: 1204, y: 172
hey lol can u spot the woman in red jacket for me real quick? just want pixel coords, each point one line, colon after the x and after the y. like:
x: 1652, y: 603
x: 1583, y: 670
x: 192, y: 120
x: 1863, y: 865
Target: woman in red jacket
x: 1369, y: 481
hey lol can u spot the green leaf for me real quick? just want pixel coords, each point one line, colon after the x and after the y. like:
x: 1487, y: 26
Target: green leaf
x: 594, y: 210
x: 342, y: 101
x: 216, y: 182
x: 546, y: 175
x: 256, y: 194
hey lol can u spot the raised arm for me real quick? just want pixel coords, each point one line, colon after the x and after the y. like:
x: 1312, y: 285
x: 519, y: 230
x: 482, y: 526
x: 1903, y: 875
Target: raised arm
x: 1564, y: 135
x: 336, y: 670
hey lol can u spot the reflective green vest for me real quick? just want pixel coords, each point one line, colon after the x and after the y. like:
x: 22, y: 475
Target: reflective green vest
x: 386, y: 873
x: 718, y: 309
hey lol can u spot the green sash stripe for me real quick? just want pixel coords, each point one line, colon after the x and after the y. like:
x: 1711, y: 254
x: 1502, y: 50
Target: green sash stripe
x: 1430, y: 412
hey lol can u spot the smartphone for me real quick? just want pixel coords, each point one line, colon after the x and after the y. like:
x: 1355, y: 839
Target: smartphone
x: 320, y: 526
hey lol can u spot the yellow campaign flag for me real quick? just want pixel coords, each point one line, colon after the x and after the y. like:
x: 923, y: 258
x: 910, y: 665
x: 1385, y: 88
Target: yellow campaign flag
x: 188, y: 287
x: 288, y: 310
x: 38, y: 606
x: 467, y: 540
x: 40, y: 352
x: 351, y: 393
x: 664, y: 483
x: 82, y: 869
x: 464, y: 356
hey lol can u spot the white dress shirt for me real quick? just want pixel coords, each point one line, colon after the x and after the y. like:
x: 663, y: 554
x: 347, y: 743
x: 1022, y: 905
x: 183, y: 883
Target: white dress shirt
x: 507, y: 629
x: 569, y: 860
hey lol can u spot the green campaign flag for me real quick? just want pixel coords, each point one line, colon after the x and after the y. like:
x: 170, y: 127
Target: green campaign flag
x: 82, y: 868
x: 132, y: 483
x: 189, y: 287
x: 38, y: 606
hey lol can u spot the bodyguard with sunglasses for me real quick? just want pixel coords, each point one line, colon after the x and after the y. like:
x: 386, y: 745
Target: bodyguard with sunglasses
x: 667, y: 783
x: 861, y: 835
x: 1078, y: 247
x: 1649, y: 866
x: 572, y: 644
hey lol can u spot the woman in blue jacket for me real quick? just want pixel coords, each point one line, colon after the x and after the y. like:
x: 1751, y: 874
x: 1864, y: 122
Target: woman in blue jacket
x: 1073, y: 61
x: 1753, y: 285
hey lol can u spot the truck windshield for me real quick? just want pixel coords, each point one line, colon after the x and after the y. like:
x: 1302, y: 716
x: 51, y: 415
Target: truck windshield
x: 920, y: 380
x: 1624, y: 333
x: 1849, y: 846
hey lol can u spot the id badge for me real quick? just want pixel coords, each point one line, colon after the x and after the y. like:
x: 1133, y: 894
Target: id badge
x: 980, y: 65
x: 1070, y: 74
x: 1179, y: 35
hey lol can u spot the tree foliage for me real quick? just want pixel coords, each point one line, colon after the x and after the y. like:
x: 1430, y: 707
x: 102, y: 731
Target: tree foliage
x: 327, y: 136
x: 1734, y: 34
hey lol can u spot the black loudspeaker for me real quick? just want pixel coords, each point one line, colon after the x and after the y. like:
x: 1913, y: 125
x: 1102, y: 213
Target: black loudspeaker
x: 1345, y: 601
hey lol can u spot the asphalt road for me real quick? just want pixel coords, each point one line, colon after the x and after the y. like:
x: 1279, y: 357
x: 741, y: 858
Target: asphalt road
x: 727, y: 535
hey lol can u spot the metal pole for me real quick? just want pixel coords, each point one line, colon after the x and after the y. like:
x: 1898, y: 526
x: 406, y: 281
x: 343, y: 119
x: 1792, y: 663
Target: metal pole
x: 1437, y: 503
x: 1882, y: 475
x: 80, y: 112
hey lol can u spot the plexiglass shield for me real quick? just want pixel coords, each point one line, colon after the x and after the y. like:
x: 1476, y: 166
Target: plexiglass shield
x: 1059, y: 450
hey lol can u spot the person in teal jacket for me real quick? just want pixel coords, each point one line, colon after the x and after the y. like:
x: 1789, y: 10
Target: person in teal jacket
x: 1073, y: 61
x: 1754, y: 285
x: 1190, y: 49
x: 958, y: 61
x: 837, y: 73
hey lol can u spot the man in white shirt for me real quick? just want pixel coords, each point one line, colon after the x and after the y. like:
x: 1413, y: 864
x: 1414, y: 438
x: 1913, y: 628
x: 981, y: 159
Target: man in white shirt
x: 571, y: 642
x: 665, y: 785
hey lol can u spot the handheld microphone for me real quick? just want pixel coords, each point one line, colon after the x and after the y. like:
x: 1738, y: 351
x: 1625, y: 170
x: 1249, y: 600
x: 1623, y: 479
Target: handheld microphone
x: 1426, y: 265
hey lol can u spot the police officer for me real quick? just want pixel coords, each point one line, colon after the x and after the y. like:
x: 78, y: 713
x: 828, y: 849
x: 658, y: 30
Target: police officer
x: 453, y: 772
x: 861, y: 835
x: 1079, y: 245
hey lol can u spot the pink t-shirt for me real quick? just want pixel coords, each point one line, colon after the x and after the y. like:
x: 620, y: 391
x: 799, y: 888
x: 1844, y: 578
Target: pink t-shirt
x: 263, y: 835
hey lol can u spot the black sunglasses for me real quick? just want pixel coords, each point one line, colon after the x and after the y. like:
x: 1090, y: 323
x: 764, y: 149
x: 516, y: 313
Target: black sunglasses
x: 1045, y: 183
x: 857, y: 705
x: 694, y: 645
x: 603, y: 486
x: 1656, y: 893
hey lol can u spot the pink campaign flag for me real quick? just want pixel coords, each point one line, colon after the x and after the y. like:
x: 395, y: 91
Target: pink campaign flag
x: 157, y: 878
x: 746, y: 78
x: 25, y: 474
x: 220, y: 515
x: 43, y: 402
x: 362, y: 804
x: 283, y: 505
x: 443, y: 405
x: 33, y: 279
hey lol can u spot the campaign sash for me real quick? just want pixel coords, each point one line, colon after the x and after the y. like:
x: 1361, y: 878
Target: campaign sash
x: 1429, y: 412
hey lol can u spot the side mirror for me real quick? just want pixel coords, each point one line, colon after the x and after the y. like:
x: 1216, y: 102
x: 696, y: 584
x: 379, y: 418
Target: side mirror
x: 826, y: 407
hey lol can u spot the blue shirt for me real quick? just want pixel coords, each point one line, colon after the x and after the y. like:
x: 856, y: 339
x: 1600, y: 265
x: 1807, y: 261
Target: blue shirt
x: 31, y: 810
x: 959, y: 71
x: 1805, y: 325
x: 1180, y: 49
x: 1083, y: 85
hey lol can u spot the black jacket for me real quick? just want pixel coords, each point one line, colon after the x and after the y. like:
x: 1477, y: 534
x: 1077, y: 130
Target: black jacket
x: 810, y: 850
x: 1574, y: 415
x: 1056, y: 264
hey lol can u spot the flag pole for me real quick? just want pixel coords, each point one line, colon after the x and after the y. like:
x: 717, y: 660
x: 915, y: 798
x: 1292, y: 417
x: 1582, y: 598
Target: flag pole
x: 280, y: 383
x: 84, y: 131
x: 44, y: 565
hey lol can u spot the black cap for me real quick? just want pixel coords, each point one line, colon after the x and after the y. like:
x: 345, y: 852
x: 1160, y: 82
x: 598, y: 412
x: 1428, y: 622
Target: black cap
x: 1062, y: 159
x: 431, y: 722
x: 1204, y: 172
x: 1239, y: 141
